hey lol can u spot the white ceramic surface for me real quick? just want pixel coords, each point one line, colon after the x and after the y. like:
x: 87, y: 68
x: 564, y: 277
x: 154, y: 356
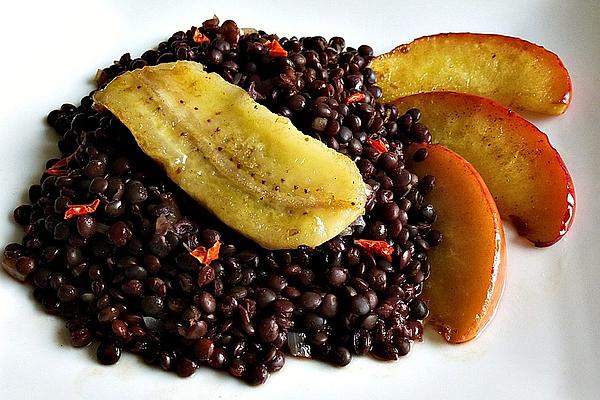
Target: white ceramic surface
x: 543, y: 343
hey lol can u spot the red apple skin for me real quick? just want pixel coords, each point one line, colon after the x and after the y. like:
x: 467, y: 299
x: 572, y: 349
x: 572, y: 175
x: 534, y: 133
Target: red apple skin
x: 527, y: 176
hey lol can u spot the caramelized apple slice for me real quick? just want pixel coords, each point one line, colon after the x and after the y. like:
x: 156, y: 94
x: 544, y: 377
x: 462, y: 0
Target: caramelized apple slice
x: 514, y: 72
x: 468, y: 267
x: 528, y: 178
x: 253, y: 169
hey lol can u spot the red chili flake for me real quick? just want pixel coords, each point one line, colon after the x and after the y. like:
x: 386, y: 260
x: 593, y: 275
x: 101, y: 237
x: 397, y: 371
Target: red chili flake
x: 378, y: 145
x: 59, y: 167
x: 199, y: 37
x: 377, y: 247
x: 353, y: 98
x: 81, y: 209
x: 206, y: 256
x: 275, y: 49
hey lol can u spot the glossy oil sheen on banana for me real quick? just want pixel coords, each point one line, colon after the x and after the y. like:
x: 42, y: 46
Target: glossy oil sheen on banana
x: 251, y: 168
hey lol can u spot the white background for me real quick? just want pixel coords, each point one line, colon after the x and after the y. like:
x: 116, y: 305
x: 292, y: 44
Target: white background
x: 544, y: 342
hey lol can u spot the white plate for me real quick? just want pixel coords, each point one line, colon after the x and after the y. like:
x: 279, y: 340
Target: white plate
x: 543, y: 343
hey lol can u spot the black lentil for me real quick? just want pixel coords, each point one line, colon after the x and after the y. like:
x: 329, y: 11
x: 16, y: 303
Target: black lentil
x: 108, y: 353
x: 123, y: 276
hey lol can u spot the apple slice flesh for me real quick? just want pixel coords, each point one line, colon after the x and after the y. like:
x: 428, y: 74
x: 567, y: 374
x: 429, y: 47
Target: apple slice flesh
x: 512, y: 71
x: 529, y: 180
x: 468, y: 267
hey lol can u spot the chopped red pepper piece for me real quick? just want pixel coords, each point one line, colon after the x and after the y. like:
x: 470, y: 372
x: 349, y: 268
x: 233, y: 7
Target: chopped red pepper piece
x: 207, y: 256
x: 81, y: 209
x: 59, y: 167
x: 378, y: 145
x: 353, y: 98
x: 199, y: 37
x: 376, y: 247
x: 275, y: 49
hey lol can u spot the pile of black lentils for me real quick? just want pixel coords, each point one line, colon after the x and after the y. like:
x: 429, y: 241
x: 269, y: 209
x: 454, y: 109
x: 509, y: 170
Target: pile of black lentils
x: 123, y: 276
